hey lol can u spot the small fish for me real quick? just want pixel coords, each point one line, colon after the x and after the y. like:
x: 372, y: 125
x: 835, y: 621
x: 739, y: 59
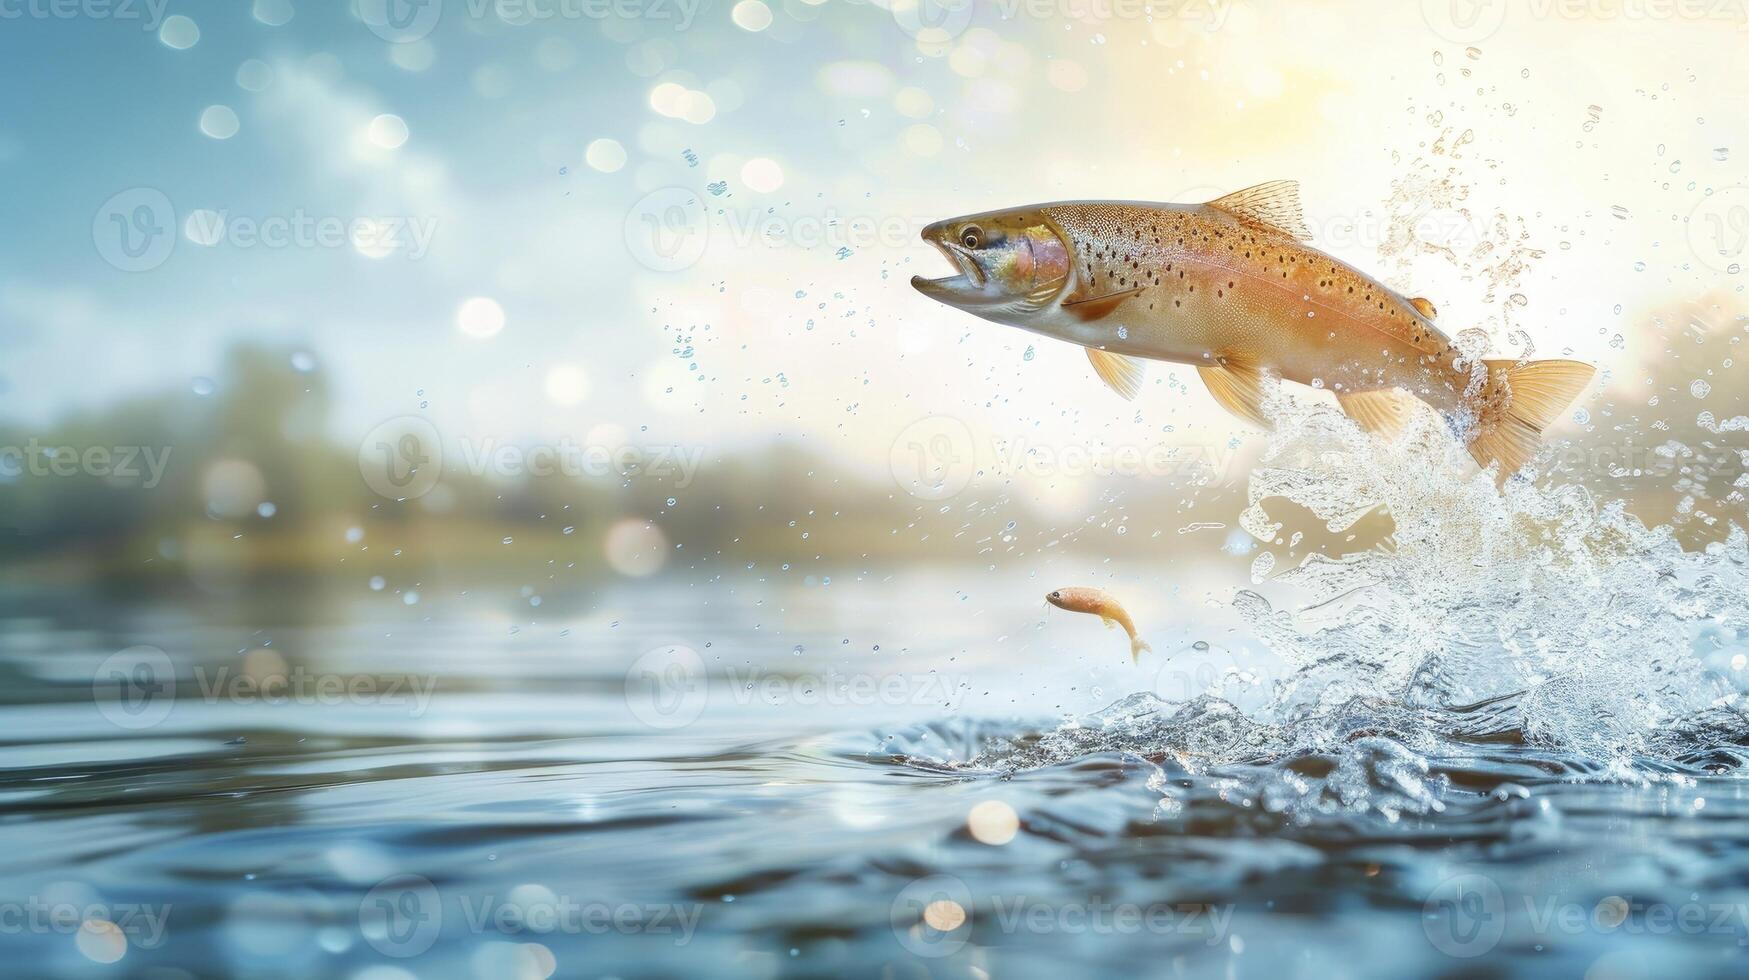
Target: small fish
x: 1231, y: 287
x: 1101, y: 604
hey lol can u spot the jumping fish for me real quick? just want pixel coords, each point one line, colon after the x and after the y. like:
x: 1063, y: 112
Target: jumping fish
x: 1101, y: 604
x: 1231, y: 287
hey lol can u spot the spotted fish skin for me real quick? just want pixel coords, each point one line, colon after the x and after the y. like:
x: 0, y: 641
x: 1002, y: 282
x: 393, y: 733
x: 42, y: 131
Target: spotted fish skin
x: 1197, y: 285
x: 1232, y: 287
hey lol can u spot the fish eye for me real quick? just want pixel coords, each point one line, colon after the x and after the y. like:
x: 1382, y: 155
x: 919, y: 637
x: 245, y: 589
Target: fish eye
x: 972, y: 236
x: 1056, y: 595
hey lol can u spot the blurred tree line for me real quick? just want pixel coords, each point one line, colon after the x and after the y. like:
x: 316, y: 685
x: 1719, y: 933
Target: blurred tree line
x: 245, y: 468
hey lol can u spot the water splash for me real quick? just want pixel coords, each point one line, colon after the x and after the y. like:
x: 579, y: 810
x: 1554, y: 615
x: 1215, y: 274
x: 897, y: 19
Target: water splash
x: 1537, y: 589
x: 1495, y: 636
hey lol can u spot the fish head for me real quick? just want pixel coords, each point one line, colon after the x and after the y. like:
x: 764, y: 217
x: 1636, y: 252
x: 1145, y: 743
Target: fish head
x: 1011, y: 264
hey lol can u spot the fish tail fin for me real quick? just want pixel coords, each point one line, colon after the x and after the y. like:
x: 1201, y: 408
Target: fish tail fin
x: 1137, y: 648
x: 1523, y: 400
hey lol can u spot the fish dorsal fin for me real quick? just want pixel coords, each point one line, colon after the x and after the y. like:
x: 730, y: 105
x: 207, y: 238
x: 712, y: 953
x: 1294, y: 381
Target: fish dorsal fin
x: 1384, y: 411
x: 1426, y: 307
x: 1276, y: 204
x: 1122, y: 374
x: 1239, y: 389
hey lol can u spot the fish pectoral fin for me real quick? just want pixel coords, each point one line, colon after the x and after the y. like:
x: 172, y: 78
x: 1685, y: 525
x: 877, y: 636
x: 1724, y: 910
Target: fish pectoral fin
x: 1239, y: 389
x: 1090, y: 308
x: 1122, y: 374
x: 1425, y: 307
x: 1276, y: 204
x: 1384, y: 411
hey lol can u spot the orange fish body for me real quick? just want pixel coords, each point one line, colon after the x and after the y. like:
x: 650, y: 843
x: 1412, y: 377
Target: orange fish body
x: 1231, y: 287
x: 1099, y: 603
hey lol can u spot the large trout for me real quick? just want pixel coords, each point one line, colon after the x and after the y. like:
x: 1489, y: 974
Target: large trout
x: 1231, y: 287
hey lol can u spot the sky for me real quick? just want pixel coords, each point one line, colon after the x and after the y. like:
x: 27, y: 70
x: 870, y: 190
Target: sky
x: 695, y: 222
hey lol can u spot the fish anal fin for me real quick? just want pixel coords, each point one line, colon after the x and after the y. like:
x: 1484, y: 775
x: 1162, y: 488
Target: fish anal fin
x: 1121, y: 374
x: 1098, y: 307
x: 1238, y: 389
x: 1425, y: 307
x: 1384, y: 411
x: 1276, y: 204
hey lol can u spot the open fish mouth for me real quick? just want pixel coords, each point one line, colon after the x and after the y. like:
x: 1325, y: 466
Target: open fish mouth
x: 965, y: 288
